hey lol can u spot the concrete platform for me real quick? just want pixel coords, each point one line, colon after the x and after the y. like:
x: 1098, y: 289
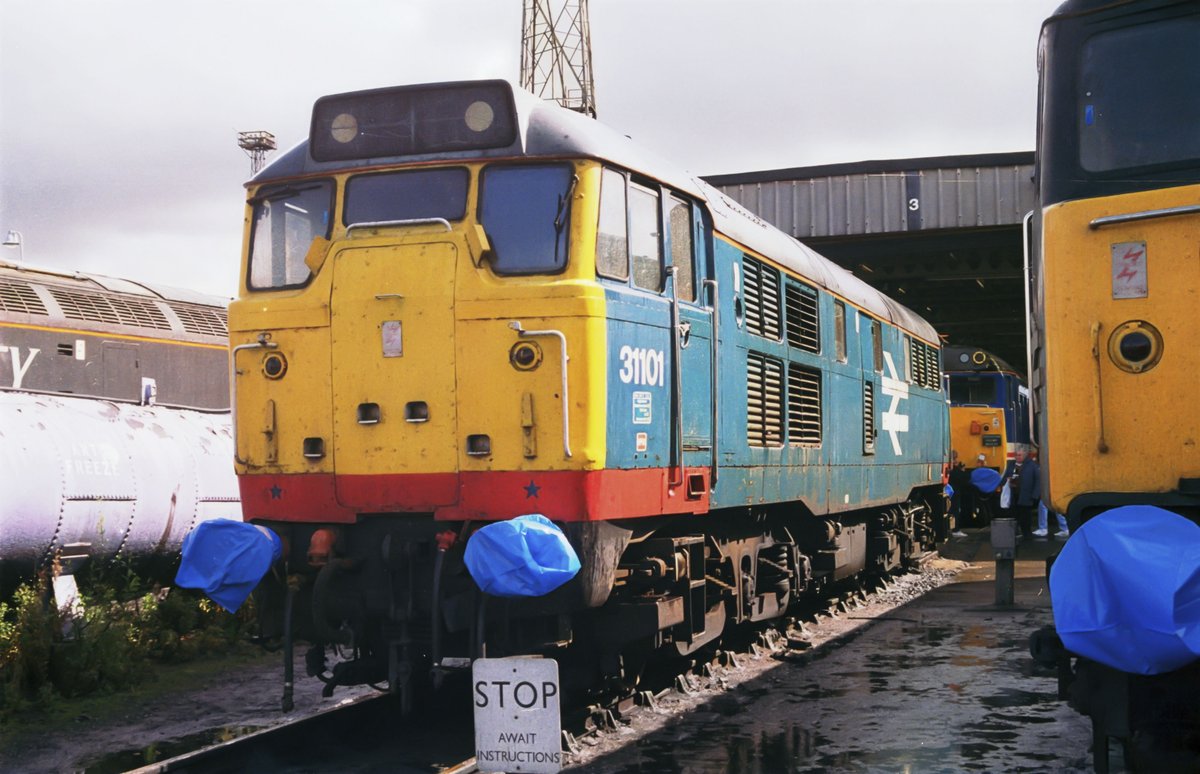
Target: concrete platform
x: 942, y: 684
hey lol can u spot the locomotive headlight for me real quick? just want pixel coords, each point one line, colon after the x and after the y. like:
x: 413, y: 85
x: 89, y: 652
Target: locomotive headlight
x: 1135, y: 346
x: 344, y: 128
x: 525, y: 355
x: 274, y: 366
x: 479, y: 116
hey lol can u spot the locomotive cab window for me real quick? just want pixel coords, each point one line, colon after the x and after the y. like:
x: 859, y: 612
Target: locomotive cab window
x: 1128, y: 120
x: 877, y: 344
x: 285, y: 221
x: 630, y: 235
x: 972, y: 391
x: 839, y: 331
x: 645, y: 244
x: 679, y: 217
x: 410, y: 195
x: 526, y: 212
x: 612, y: 232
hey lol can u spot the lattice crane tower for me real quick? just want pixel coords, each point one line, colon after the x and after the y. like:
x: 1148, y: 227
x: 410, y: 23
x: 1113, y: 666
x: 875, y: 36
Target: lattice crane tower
x: 556, y: 53
x: 257, y: 145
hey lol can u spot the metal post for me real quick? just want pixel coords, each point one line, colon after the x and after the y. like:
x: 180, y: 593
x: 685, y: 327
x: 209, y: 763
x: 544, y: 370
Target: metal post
x: 1004, y: 547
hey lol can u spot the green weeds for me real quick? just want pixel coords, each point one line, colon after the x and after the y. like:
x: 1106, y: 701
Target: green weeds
x: 126, y: 629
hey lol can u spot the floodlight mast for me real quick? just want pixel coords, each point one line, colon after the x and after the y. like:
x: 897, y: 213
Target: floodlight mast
x: 257, y: 145
x: 556, y: 53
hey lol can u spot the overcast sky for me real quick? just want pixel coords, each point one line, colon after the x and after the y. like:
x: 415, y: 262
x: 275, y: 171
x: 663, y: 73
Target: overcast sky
x: 119, y: 119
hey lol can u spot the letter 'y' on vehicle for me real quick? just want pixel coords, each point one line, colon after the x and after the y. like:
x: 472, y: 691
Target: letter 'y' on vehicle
x: 19, y: 368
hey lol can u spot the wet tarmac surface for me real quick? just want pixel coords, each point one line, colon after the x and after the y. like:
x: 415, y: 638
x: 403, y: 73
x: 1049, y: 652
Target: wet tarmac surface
x: 943, y: 683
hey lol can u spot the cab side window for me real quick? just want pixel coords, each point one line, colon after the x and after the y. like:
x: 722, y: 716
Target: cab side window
x: 640, y: 224
x: 679, y: 216
x: 645, y: 245
x: 877, y: 344
x: 612, y: 233
x: 839, y: 331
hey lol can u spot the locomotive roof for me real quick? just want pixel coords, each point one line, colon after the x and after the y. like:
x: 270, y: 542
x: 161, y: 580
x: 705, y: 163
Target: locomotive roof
x: 551, y: 131
x: 41, y: 274
x: 95, y: 301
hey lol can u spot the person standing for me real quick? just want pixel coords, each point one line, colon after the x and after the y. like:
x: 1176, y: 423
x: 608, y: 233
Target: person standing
x: 962, y: 502
x: 985, y: 482
x: 1043, y: 529
x: 1027, y: 480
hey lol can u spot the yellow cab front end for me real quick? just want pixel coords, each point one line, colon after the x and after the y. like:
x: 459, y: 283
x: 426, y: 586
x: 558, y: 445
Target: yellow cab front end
x: 979, y: 430
x: 1120, y: 344
x: 401, y: 330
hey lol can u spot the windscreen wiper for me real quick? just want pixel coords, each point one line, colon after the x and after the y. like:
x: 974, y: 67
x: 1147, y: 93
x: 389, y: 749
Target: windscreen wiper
x: 286, y: 192
x: 564, y: 204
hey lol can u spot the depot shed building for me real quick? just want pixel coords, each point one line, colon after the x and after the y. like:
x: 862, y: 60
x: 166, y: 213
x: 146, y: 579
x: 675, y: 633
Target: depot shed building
x: 941, y: 235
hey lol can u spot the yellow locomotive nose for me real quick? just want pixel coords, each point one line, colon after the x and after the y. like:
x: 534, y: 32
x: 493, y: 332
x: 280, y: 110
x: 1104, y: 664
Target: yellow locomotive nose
x: 392, y: 337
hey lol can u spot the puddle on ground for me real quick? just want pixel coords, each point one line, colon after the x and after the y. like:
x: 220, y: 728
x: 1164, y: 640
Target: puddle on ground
x: 732, y: 751
x: 1015, y: 697
x: 161, y: 751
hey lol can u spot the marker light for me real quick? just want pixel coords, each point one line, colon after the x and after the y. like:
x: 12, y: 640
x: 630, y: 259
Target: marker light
x: 1135, y: 346
x: 479, y: 445
x: 525, y: 355
x: 274, y: 366
x: 313, y: 448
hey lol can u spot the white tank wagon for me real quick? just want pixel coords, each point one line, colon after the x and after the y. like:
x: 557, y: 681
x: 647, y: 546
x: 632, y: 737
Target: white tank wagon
x: 101, y: 479
x: 115, y: 432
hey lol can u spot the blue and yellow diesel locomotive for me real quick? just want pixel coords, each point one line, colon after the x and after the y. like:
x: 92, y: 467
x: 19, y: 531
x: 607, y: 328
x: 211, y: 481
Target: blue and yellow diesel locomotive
x: 989, y: 407
x: 461, y: 304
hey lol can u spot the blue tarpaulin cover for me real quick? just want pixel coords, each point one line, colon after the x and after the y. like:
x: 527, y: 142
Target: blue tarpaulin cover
x: 985, y: 480
x: 1126, y: 590
x: 226, y: 559
x: 523, y: 557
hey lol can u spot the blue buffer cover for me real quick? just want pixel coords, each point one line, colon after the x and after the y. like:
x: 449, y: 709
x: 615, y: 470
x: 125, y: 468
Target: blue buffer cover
x: 985, y: 480
x: 226, y: 559
x: 1126, y: 590
x: 523, y: 557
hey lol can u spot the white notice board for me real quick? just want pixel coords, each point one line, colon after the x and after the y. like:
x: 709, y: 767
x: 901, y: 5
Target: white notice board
x: 518, y: 724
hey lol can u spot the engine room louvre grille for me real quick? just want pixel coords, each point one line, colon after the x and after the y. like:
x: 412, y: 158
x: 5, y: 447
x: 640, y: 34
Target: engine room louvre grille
x: 764, y: 400
x: 917, y: 357
x: 925, y: 366
x: 803, y: 320
x: 762, y: 299
x: 804, y: 406
x: 19, y: 297
x: 932, y: 368
x: 868, y: 417
x: 110, y: 309
x: 202, y: 320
